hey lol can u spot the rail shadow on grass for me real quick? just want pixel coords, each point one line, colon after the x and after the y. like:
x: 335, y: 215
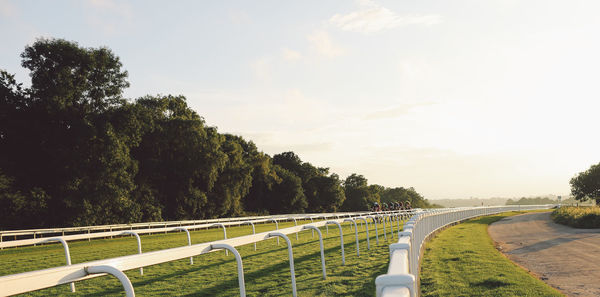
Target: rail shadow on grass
x: 341, y: 280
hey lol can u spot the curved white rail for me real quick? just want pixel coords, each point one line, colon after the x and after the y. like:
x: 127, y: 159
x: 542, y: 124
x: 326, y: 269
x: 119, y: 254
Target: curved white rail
x: 405, y: 255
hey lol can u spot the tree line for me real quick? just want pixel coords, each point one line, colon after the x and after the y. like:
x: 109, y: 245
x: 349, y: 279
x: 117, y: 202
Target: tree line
x: 531, y: 201
x: 74, y: 152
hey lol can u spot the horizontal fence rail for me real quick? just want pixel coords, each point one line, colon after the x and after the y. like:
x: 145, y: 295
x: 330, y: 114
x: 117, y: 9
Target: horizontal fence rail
x: 402, y: 277
x: 10, y: 235
x: 83, y: 236
x: 40, y: 279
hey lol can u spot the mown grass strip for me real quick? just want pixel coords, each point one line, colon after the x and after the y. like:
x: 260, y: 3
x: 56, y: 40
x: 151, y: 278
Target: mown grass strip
x: 462, y: 261
x: 578, y: 217
x: 266, y: 270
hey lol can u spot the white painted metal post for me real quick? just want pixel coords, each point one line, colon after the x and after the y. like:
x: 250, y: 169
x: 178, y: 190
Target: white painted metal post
x: 313, y: 231
x: 367, y: 225
x: 375, y: 223
x: 389, y: 216
x: 253, y: 230
x: 224, y: 235
x: 238, y: 259
x: 296, y: 224
x: 321, y: 246
x: 355, y: 234
x: 139, y: 242
x: 189, y: 240
x: 398, y: 222
x: 276, y: 227
x: 290, y: 255
x: 115, y: 272
x: 67, y: 253
x: 383, y: 221
x: 341, y: 239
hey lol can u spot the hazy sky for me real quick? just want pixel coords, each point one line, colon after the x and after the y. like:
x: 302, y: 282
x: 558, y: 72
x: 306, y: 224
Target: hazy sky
x: 459, y: 99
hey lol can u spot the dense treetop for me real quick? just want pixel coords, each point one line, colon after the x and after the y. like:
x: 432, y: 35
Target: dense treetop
x: 73, y: 152
x: 586, y: 185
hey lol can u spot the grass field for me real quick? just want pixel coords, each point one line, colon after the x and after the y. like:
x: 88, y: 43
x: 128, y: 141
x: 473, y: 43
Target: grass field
x: 578, y: 217
x: 462, y: 261
x: 267, y: 271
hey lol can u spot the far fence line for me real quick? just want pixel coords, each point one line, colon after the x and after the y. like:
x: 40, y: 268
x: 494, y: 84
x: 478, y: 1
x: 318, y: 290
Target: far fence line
x: 7, y: 235
x: 402, y: 278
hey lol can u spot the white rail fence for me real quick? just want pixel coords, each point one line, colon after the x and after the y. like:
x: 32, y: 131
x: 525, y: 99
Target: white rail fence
x: 89, y: 236
x: 7, y: 235
x: 36, y: 280
x: 402, y: 277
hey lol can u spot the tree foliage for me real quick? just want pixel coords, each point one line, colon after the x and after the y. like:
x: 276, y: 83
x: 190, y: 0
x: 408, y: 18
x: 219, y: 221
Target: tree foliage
x: 73, y: 152
x: 586, y: 185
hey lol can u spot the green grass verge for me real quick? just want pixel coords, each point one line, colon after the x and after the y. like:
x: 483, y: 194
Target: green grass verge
x: 267, y: 271
x: 462, y: 261
x: 578, y: 217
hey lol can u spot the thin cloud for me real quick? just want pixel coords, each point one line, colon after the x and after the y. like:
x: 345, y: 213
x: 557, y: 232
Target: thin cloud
x: 290, y: 55
x: 109, y: 16
x: 372, y: 17
x: 262, y: 69
x: 7, y: 9
x: 321, y: 42
x: 112, y: 7
x: 395, y: 111
x: 240, y: 17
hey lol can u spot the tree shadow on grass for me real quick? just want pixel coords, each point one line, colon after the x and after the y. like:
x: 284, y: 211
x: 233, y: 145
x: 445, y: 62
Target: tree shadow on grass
x: 491, y: 283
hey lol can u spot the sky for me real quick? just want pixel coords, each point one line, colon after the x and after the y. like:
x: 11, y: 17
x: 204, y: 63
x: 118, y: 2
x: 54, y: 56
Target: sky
x: 458, y: 99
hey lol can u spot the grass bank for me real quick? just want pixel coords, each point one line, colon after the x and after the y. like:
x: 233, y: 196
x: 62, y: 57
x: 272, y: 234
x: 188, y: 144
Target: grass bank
x: 462, y: 261
x: 267, y: 271
x: 578, y: 217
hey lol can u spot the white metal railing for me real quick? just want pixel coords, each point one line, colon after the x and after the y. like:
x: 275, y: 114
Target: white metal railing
x: 40, y: 279
x: 401, y: 279
x: 9, y: 235
x: 83, y: 236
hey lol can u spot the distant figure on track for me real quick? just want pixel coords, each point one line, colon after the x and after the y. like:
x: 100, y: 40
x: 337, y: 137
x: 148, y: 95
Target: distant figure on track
x: 376, y: 207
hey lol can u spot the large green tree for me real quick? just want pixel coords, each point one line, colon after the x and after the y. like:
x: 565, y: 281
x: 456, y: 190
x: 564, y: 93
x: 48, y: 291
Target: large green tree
x: 57, y: 136
x: 179, y: 158
x: 586, y: 185
x: 359, y: 196
x: 323, y: 192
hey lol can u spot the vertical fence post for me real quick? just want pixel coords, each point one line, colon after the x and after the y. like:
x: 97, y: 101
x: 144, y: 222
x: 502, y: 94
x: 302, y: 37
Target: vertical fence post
x: 67, y: 253
x: 189, y: 240
x: 290, y: 255
x: 238, y: 259
x: 355, y: 234
x: 367, y: 229
x: 375, y: 223
x: 253, y: 230
x: 224, y: 234
x: 276, y: 227
x: 139, y: 242
x: 341, y: 239
x: 321, y: 246
x: 296, y: 224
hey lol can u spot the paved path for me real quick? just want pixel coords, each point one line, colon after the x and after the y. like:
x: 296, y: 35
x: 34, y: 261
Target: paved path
x: 566, y: 258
